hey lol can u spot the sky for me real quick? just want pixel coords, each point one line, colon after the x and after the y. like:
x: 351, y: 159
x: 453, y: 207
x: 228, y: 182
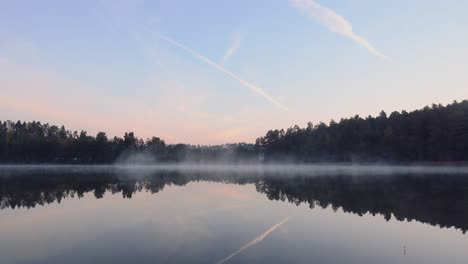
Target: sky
x: 210, y: 72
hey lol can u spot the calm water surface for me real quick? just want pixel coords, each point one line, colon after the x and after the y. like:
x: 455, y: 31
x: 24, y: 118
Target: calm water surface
x: 86, y: 216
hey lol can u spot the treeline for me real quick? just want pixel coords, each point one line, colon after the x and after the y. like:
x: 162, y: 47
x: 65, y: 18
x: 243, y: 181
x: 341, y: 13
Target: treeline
x: 432, y: 134
x: 33, y: 142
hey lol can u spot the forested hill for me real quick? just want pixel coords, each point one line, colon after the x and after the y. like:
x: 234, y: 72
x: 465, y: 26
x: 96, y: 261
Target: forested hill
x: 432, y: 134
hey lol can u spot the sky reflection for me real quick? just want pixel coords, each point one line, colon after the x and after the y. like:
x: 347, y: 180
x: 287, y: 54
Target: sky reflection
x: 196, y: 219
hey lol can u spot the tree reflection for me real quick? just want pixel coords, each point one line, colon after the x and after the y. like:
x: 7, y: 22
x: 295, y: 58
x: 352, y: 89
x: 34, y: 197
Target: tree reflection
x: 439, y: 200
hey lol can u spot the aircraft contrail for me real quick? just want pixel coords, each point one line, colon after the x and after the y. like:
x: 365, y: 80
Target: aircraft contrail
x: 256, y: 240
x: 220, y: 68
x: 335, y: 23
x: 235, y: 45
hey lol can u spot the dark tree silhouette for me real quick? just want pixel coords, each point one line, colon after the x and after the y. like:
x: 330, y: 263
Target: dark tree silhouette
x: 33, y: 142
x: 432, y: 134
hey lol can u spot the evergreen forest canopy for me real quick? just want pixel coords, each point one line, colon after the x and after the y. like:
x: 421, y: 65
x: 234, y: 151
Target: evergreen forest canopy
x: 432, y: 134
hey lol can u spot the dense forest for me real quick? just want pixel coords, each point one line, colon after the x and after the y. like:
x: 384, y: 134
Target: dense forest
x: 432, y: 134
x: 33, y: 142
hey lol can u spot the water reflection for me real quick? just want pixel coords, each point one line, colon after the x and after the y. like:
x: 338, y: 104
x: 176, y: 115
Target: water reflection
x: 438, y: 200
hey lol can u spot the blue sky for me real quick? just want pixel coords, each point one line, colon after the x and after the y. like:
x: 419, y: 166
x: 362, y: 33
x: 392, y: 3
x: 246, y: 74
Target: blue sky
x: 103, y: 65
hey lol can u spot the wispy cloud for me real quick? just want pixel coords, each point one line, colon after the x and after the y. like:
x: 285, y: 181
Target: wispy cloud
x: 233, y: 48
x: 335, y: 23
x: 256, y: 240
x: 220, y: 68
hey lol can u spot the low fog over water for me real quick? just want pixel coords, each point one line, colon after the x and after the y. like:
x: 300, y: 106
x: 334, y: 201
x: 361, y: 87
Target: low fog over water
x: 269, y: 169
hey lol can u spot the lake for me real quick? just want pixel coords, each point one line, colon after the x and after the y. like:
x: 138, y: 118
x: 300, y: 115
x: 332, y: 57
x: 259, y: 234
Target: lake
x: 107, y: 214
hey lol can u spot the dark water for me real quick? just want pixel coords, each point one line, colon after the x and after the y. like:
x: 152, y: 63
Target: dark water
x: 97, y: 216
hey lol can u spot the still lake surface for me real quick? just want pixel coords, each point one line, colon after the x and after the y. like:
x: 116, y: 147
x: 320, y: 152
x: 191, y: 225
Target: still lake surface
x: 83, y: 214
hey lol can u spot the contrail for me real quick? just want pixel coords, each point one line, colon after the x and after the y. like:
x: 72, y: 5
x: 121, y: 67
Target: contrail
x: 220, y: 68
x: 235, y: 45
x: 256, y: 240
x: 335, y: 23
